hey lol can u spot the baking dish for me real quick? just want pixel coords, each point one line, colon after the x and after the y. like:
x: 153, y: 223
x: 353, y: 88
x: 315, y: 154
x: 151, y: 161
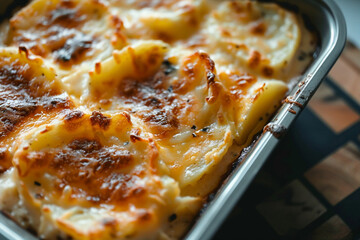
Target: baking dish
x: 328, y: 24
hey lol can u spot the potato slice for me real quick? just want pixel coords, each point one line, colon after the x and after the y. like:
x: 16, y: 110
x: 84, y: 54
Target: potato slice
x: 67, y: 33
x: 167, y: 20
x: 257, y: 37
x: 96, y: 176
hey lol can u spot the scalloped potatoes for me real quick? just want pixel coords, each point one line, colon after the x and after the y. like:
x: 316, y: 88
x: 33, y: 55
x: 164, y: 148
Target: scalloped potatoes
x: 118, y: 118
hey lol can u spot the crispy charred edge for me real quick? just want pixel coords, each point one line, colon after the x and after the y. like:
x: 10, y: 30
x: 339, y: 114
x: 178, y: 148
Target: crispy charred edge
x: 199, y: 61
x: 23, y: 50
x: 135, y: 135
x: 73, y: 115
x: 213, y: 86
x: 97, y: 118
x: 118, y: 40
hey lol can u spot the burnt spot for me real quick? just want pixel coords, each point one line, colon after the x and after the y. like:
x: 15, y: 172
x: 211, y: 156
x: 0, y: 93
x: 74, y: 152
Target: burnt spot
x: 153, y: 101
x: 97, y: 118
x: 210, y: 77
x: 85, y: 145
x: 58, y: 101
x: 205, y: 129
x: 302, y: 56
x: 112, y: 159
x: 209, y: 63
x: 172, y: 217
x: 74, y: 115
x: 268, y: 71
x: 258, y: 28
x: 74, y: 49
x: 170, y: 89
x: 36, y: 183
x: 24, y: 50
x: 168, y: 67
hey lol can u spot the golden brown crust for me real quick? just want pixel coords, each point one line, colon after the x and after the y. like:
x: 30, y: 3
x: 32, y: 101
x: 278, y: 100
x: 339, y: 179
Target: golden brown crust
x: 25, y: 94
x: 59, y: 34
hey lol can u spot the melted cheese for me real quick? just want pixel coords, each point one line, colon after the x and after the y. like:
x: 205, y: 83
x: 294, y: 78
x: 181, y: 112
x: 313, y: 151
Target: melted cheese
x: 168, y: 20
x: 29, y: 95
x: 96, y: 176
x: 118, y: 118
x: 69, y: 33
x: 262, y: 37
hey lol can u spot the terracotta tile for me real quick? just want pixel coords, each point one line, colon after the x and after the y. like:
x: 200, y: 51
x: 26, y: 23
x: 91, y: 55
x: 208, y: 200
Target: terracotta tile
x: 291, y: 209
x: 347, y: 76
x: 352, y: 54
x: 338, y: 175
x: 332, y: 229
x: 333, y: 110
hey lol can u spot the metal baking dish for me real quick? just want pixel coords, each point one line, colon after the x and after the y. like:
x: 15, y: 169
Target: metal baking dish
x: 329, y: 23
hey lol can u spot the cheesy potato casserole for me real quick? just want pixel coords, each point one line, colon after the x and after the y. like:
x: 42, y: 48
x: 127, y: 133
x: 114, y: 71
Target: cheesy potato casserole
x: 119, y: 117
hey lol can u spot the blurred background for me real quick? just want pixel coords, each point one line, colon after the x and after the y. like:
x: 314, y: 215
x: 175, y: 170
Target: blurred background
x: 310, y: 186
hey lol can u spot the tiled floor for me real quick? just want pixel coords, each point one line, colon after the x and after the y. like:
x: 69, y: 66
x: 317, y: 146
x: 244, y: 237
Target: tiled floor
x: 338, y: 175
x: 332, y: 109
x: 310, y: 187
